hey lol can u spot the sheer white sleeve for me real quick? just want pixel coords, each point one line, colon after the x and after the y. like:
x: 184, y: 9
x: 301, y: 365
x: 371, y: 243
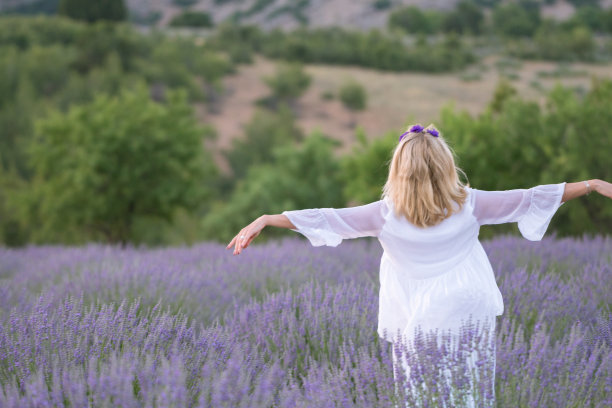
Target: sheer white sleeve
x: 329, y: 226
x: 532, y: 208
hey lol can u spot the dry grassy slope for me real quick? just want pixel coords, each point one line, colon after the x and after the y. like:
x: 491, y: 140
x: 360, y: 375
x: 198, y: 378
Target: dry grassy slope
x: 394, y: 99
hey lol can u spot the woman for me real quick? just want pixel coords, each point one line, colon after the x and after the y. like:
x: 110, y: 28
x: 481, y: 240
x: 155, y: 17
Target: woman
x: 434, y: 273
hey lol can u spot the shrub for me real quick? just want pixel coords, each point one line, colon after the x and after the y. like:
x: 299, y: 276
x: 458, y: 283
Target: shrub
x: 560, y: 45
x: 185, y: 3
x: 412, y: 19
x: 516, y: 19
x: 289, y: 83
x: 192, y: 19
x: 33, y: 7
x: 112, y: 10
x: 353, y: 95
x: 467, y: 18
x: 382, y: 4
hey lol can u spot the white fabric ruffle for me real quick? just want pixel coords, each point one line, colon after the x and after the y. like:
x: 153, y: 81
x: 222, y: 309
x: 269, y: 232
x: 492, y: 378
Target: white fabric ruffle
x: 313, y: 225
x: 544, y: 203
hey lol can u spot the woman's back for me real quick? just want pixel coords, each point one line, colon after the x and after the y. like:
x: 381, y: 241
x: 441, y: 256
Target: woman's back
x: 426, y: 252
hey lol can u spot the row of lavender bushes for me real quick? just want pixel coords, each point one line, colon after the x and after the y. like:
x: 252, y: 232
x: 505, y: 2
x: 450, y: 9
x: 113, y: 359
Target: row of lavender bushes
x: 282, y: 325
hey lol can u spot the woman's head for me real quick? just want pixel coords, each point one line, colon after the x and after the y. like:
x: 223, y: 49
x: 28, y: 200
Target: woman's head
x: 423, y: 181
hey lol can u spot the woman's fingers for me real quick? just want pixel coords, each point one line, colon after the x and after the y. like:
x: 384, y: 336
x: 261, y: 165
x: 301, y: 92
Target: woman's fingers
x: 238, y: 242
x: 249, y: 236
x: 232, y: 242
x: 250, y: 239
x: 245, y: 237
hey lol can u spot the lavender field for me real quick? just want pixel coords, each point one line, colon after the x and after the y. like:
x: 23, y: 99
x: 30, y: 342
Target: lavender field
x: 282, y: 325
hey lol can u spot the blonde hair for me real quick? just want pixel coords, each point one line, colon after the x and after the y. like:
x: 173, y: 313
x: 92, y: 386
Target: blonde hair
x: 423, y: 181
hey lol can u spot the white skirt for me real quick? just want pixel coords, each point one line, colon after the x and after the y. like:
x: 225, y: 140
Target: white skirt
x: 439, y: 302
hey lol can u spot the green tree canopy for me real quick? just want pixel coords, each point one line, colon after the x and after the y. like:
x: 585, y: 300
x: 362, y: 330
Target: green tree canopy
x: 303, y: 177
x: 412, y: 19
x: 192, y: 19
x: 554, y: 43
x: 516, y: 19
x: 266, y: 131
x: 111, y: 10
x: 590, y: 16
x: 522, y: 145
x: 364, y: 171
x: 466, y: 18
x: 289, y: 83
x: 102, y: 165
x: 353, y: 95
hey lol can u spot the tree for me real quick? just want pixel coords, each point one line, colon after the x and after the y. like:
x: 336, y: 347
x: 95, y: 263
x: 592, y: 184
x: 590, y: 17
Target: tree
x: 516, y: 19
x: 607, y: 20
x: 382, y: 4
x: 185, y: 3
x: 93, y: 10
x: 581, y: 127
x: 554, y: 43
x: 289, y: 83
x: 412, y: 19
x: 364, y: 171
x: 303, y: 177
x: 353, y: 95
x: 590, y: 16
x: 266, y: 131
x: 466, y: 18
x: 503, y: 92
x: 12, y: 232
x: 192, y: 19
x: 101, y: 166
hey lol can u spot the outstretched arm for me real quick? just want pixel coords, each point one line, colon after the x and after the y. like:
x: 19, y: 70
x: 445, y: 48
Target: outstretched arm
x: 574, y: 190
x: 532, y: 208
x: 322, y: 226
x: 248, y: 233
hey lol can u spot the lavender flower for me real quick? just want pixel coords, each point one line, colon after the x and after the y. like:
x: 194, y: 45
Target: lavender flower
x: 289, y: 325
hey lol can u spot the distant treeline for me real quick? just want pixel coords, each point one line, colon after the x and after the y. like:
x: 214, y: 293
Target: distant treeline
x: 415, y: 39
x: 519, y: 25
x: 433, y: 41
x: 99, y: 141
x: 371, y: 49
x: 520, y: 18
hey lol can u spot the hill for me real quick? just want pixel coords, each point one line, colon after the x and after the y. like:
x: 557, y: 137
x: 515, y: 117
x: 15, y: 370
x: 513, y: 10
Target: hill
x: 285, y: 14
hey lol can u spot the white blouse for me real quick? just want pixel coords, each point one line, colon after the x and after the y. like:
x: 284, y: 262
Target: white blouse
x: 438, y: 276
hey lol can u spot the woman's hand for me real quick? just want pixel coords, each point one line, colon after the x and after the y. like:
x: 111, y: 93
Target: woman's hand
x: 247, y: 234
x: 603, y: 187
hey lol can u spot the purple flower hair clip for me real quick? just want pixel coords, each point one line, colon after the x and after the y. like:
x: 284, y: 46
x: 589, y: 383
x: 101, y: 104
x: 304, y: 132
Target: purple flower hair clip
x: 419, y: 129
